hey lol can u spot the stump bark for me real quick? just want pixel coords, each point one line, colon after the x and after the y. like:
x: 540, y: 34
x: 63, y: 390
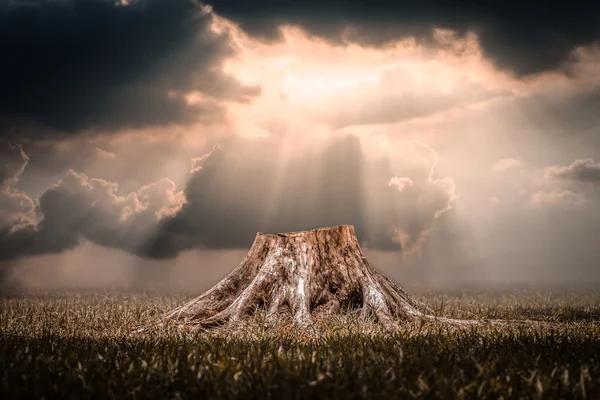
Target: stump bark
x: 321, y: 271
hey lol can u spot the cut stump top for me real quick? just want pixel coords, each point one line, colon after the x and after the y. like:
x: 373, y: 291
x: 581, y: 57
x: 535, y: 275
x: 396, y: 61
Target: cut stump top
x: 340, y: 228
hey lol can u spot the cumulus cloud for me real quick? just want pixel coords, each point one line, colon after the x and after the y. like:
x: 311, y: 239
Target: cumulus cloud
x: 13, y: 161
x: 420, y: 197
x: 78, y: 207
x: 505, y: 164
x: 245, y: 186
x: 197, y: 162
x: 133, y: 158
x: 400, y: 183
x: 16, y: 208
x: 586, y: 171
x: 98, y: 64
x: 516, y: 37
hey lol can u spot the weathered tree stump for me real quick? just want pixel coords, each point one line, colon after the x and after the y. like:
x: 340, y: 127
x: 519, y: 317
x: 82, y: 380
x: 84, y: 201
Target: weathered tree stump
x: 322, y: 271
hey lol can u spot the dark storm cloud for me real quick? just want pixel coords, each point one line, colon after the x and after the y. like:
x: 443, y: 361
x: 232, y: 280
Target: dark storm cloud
x: 79, y: 64
x: 525, y: 37
x: 242, y: 187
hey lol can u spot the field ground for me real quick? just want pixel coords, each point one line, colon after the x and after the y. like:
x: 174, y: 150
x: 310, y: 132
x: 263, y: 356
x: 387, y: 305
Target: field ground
x: 81, y: 345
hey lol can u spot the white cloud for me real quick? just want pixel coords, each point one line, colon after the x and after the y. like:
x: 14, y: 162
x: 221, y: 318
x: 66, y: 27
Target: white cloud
x: 504, y: 164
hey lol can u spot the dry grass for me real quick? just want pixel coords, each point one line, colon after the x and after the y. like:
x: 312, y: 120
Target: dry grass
x: 81, y: 345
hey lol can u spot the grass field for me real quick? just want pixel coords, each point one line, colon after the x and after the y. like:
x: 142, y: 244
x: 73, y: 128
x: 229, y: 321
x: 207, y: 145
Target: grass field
x: 80, y: 345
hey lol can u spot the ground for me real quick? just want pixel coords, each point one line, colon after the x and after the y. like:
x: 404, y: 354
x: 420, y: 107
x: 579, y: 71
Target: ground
x: 81, y: 345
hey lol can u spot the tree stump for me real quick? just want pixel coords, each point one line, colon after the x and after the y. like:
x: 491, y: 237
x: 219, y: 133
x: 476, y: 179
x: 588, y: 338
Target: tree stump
x: 321, y: 271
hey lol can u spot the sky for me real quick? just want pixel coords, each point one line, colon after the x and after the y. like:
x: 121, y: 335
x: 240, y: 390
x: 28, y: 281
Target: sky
x: 148, y: 141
